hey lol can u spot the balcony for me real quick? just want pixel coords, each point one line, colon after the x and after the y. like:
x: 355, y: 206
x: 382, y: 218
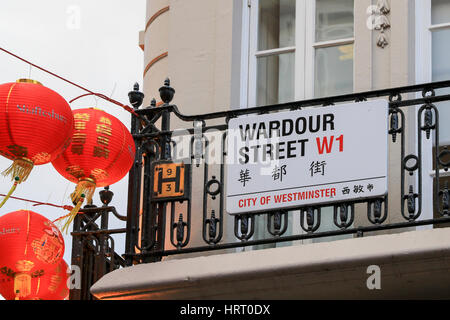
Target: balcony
x: 182, y: 244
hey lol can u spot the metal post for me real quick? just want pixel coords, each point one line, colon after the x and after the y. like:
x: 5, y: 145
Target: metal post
x: 166, y: 93
x: 134, y: 183
x: 77, y: 257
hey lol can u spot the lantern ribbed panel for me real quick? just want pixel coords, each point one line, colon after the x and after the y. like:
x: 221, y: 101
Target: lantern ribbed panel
x: 102, y: 149
x: 35, y: 122
x: 30, y: 245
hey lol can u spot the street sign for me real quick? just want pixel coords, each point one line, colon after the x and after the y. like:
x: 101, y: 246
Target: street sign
x: 316, y: 155
x: 170, y: 181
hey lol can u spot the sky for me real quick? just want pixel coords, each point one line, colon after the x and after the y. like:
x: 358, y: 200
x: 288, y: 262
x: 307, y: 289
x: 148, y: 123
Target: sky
x: 92, y: 43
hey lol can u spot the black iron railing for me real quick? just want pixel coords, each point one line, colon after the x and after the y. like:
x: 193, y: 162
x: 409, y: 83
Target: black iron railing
x: 93, y: 250
x: 157, y: 228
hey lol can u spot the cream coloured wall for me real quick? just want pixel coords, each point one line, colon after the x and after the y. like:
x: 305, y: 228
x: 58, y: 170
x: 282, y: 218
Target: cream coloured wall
x: 156, y: 35
x: 197, y: 37
x: 392, y: 66
x: 201, y: 63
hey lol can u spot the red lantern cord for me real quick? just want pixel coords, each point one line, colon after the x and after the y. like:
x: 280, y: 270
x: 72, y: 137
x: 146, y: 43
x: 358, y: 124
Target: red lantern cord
x: 127, y: 108
x: 68, y: 208
x: 38, y: 203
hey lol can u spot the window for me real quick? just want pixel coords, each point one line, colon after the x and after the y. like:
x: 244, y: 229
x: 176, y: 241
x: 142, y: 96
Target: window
x: 275, y: 51
x: 333, y: 48
x: 299, y: 49
x: 440, y: 46
x: 432, y: 45
x: 440, y: 70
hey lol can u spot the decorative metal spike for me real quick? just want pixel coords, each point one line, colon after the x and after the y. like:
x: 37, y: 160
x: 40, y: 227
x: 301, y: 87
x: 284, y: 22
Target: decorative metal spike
x: 310, y: 218
x: 277, y: 221
x: 180, y: 229
x: 343, y: 213
x: 244, y: 224
x: 411, y: 201
x: 428, y: 122
x: 394, y: 125
x: 377, y: 210
x: 213, y: 225
x: 445, y: 200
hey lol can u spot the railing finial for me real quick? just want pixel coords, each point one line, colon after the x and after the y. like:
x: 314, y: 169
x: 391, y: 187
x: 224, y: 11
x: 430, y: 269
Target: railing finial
x: 166, y: 92
x: 136, y: 97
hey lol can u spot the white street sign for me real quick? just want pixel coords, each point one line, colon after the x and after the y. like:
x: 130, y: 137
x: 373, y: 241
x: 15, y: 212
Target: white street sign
x: 298, y: 158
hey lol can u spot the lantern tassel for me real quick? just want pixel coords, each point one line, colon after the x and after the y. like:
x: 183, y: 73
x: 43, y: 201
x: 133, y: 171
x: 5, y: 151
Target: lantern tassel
x: 22, y: 285
x: 20, y: 168
x: 13, y: 188
x: 85, y: 189
x: 72, y: 214
x: 19, y: 172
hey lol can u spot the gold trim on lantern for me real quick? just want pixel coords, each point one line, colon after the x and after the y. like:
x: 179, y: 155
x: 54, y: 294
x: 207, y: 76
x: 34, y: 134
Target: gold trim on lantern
x: 87, y: 179
x: 22, y: 285
x: 24, y: 80
x: 24, y: 265
x: 84, y: 186
x: 21, y: 168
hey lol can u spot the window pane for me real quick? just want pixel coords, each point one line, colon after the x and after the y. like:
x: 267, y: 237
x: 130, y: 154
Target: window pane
x: 441, y: 71
x: 275, y: 79
x: 276, y: 26
x: 334, y: 19
x: 438, y: 198
x: 440, y: 11
x: 334, y: 71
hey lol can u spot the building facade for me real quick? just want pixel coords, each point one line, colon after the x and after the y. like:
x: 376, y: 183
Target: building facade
x: 231, y: 55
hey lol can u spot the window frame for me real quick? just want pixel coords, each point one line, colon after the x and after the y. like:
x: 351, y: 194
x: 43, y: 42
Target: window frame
x: 424, y: 74
x: 304, y: 50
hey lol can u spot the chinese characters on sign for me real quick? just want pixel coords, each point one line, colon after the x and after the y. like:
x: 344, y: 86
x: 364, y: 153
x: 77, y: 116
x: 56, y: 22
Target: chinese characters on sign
x: 358, y: 189
x: 244, y: 177
x: 317, y: 168
x: 279, y: 172
x: 297, y: 158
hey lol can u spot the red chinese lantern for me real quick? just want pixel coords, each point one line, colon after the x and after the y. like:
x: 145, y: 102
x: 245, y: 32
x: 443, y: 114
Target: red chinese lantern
x: 36, y: 124
x: 51, y: 285
x: 30, y: 246
x: 100, y: 154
